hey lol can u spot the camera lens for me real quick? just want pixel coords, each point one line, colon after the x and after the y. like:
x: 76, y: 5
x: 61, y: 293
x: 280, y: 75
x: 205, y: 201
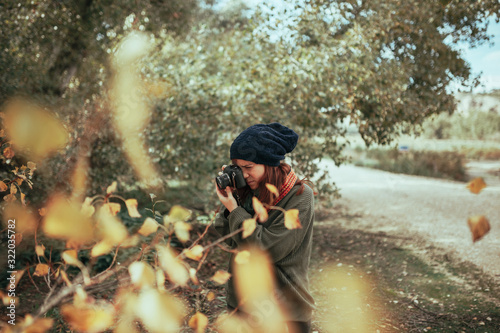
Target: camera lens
x: 223, y: 181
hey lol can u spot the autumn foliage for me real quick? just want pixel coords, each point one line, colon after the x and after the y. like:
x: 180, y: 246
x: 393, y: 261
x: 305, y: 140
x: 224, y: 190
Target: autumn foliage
x: 155, y: 262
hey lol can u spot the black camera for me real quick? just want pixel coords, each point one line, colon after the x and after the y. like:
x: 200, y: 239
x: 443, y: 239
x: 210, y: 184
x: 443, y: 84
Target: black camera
x: 231, y: 176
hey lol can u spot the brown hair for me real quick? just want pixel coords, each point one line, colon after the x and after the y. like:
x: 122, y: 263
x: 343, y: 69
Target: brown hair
x: 275, y: 176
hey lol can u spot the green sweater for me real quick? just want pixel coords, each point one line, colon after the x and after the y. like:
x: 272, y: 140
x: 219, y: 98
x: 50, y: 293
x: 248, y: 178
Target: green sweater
x: 290, y: 250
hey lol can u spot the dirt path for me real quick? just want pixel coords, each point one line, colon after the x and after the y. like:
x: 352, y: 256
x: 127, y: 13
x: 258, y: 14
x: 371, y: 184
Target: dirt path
x: 434, y: 212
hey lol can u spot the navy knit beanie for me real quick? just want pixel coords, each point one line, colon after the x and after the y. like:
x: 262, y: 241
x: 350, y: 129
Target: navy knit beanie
x: 264, y: 144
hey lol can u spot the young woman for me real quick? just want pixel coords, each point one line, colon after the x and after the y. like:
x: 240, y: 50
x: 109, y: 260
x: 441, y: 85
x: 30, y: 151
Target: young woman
x: 259, y: 151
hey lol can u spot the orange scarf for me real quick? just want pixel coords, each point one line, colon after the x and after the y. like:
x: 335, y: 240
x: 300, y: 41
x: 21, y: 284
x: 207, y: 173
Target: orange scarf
x: 290, y: 180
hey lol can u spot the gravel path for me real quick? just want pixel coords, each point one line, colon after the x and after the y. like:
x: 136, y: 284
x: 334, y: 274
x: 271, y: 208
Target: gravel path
x: 424, y: 208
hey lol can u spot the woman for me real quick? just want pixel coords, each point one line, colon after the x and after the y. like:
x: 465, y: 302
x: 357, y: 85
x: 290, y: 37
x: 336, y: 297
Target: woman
x: 259, y: 151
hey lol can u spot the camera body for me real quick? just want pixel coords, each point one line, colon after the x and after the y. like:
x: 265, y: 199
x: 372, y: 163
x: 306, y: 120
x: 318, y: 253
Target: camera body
x: 231, y: 176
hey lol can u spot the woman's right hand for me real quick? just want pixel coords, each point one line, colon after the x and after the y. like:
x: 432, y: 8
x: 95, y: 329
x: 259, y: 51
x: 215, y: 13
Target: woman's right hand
x: 226, y: 197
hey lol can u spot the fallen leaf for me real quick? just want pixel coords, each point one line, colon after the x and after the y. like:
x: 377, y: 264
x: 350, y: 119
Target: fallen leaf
x: 476, y: 185
x: 292, y: 219
x: 259, y: 210
x: 249, y: 226
x: 220, y: 277
x: 198, y: 322
x: 479, y: 226
x: 132, y: 208
x: 148, y: 227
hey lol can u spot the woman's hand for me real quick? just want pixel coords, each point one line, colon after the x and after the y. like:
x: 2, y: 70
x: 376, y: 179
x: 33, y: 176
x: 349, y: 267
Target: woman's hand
x: 226, y: 197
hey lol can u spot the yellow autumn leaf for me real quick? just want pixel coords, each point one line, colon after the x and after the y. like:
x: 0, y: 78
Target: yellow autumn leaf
x: 259, y: 210
x: 113, y: 207
x: 254, y: 281
x: 195, y: 253
x: 87, y: 209
x: 41, y: 270
x: 40, y: 250
x: 19, y: 239
x: 193, y: 277
x: 479, y: 226
x: 39, y: 325
x: 63, y: 220
x: 220, y: 277
x: 8, y: 153
x: 42, y: 211
x: 89, y: 319
x: 160, y: 279
x: 159, y: 312
x: 273, y: 189
x: 101, y: 248
x: 242, y: 257
x: 174, y: 268
x: 3, y: 187
x: 10, y: 198
x: 198, y: 322
x: 182, y: 231
x: 131, y: 111
x: 132, y: 207
x: 33, y: 130
x: 210, y: 296
x: 26, y: 221
x: 112, y: 188
x: 31, y: 166
x: 292, y: 219
x: 141, y: 274
x: 71, y: 258
x: 148, y: 227
x: 177, y: 214
x: 110, y: 228
x: 13, y: 189
x: 249, y: 226
x: 476, y: 185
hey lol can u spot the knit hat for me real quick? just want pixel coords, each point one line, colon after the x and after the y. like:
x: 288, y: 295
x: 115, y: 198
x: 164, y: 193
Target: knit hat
x: 264, y: 144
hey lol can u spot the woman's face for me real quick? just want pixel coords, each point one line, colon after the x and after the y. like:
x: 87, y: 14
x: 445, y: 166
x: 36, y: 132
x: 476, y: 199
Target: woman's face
x: 253, y: 173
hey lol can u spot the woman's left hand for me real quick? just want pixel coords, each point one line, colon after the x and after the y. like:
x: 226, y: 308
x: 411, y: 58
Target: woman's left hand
x: 226, y: 197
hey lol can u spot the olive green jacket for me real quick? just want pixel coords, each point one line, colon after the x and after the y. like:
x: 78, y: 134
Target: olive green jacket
x: 290, y: 250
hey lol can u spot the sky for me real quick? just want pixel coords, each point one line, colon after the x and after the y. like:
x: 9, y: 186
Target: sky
x: 486, y: 59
